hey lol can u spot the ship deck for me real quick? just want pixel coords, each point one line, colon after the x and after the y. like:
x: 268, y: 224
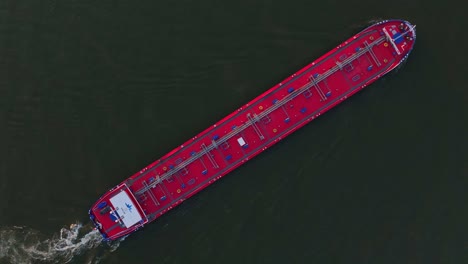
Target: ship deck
x: 264, y: 121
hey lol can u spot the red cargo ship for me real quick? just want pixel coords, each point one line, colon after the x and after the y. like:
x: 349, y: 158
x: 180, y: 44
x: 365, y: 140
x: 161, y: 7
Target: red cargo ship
x: 253, y: 128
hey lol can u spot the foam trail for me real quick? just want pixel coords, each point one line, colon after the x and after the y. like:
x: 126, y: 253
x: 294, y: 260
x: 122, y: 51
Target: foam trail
x: 25, y: 245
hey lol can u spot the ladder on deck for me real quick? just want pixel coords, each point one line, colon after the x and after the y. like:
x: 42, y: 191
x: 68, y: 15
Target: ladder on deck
x: 253, y: 121
x: 206, y: 152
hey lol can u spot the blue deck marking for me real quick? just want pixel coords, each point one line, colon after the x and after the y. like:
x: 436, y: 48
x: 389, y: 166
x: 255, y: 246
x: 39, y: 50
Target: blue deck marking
x: 397, y: 38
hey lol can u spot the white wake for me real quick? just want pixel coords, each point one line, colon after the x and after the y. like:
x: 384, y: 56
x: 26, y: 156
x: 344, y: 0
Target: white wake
x: 25, y: 245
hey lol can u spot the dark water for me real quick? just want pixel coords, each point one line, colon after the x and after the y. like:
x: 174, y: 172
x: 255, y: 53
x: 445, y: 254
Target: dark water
x: 92, y: 91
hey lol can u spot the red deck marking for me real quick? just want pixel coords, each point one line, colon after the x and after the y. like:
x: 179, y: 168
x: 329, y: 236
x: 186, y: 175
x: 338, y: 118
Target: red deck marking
x: 259, y: 124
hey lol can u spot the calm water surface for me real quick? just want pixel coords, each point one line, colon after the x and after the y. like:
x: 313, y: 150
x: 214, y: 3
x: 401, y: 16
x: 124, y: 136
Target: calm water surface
x: 92, y: 91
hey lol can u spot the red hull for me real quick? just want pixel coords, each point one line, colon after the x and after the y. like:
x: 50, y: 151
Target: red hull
x: 253, y: 128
